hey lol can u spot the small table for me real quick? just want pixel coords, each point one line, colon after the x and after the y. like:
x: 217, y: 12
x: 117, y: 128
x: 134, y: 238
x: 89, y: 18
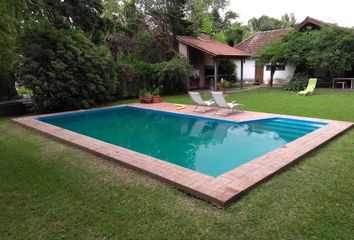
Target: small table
x: 343, y: 79
x: 344, y: 84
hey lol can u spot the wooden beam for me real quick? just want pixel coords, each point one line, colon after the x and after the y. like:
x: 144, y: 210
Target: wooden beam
x: 241, y: 80
x: 215, y: 73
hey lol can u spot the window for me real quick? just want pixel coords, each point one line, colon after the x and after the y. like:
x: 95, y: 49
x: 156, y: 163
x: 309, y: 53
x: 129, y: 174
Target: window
x: 278, y: 68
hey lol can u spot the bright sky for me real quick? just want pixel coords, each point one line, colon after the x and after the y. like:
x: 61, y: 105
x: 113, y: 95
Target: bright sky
x: 334, y: 11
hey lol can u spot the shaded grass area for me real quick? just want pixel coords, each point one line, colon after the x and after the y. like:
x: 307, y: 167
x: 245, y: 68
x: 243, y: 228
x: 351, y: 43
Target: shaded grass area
x: 52, y: 191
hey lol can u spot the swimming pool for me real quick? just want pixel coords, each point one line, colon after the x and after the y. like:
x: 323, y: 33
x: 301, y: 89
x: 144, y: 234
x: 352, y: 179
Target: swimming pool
x: 206, y: 145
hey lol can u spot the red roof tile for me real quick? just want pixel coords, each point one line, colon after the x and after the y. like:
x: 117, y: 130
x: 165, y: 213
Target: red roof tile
x: 211, y: 47
x: 260, y: 40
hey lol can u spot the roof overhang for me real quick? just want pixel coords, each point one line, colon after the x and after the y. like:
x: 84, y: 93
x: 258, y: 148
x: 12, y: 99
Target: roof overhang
x: 213, y: 48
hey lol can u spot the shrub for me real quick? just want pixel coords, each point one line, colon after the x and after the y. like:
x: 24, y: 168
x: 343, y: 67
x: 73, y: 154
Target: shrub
x: 134, y: 76
x: 227, y: 67
x: 23, y: 91
x: 171, y: 76
x: 65, y: 70
x: 297, y: 83
x: 168, y: 77
x: 225, y: 84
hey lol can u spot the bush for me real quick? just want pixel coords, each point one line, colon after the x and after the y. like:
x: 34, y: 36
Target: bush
x: 23, y: 91
x: 131, y: 77
x: 227, y: 67
x: 65, y: 70
x: 168, y: 77
x: 171, y: 76
x: 225, y: 84
x: 297, y: 83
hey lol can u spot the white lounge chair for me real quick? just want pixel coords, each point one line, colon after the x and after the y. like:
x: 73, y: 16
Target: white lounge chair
x: 200, y: 102
x: 219, y: 99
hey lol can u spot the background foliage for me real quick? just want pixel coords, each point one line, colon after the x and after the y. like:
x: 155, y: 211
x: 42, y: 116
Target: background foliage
x: 168, y: 76
x: 65, y: 69
x: 140, y: 36
x: 10, y: 11
x: 297, y: 83
x: 330, y: 48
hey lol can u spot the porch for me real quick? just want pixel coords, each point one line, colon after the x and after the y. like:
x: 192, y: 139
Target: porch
x: 204, y: 55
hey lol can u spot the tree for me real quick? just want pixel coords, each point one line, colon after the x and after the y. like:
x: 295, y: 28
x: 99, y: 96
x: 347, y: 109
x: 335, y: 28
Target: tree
x: 273, y: 56
x: 288, y: 20
x: 128, y: 22
x: 206, y: 24
x: 236, y: 33
x: 66, y: 14
x: 147, y: 29
x: 169, y: 16
x: 265, y: 23
x: 330, y: 48
x: 199, y: 10
x: 64, y: 69
x: 10, y: 14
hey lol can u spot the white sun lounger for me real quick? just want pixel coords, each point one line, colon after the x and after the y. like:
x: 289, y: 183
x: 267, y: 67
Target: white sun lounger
x: 219, y: 99
x: 199, y: 101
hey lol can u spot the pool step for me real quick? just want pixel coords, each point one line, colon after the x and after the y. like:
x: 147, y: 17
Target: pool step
x: 300, y: 122
x: 291, y: 126
x: 282, y: 129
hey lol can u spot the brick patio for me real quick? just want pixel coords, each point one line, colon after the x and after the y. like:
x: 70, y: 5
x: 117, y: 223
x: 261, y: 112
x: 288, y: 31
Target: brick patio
x: 219, y: 190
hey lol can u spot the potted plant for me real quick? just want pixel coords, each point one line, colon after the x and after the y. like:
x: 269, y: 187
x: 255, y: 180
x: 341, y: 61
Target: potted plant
x: 147, y: 97
x: 156, y: 96
x: 223, y: 85
x: 142, y: 93
x: 257, y: 81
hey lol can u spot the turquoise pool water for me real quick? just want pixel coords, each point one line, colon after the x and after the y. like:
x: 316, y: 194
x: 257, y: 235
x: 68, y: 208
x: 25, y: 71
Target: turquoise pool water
x: 206, y: 145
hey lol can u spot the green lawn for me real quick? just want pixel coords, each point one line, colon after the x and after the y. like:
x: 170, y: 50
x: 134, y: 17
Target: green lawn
x: 49, y: 190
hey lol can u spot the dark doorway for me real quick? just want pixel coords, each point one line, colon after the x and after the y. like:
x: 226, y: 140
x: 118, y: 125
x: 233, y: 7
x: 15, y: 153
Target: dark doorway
x: 259, y: 73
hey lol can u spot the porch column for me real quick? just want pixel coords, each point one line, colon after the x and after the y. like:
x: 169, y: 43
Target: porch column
x: 241, y: 80
x: 201, y: 74
x: 215, y: 73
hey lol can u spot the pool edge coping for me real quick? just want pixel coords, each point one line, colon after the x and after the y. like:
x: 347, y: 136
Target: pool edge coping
x: 220, y: 190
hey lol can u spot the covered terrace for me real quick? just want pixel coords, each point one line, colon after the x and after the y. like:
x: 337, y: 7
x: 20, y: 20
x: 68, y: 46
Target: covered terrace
x: 204, y: 55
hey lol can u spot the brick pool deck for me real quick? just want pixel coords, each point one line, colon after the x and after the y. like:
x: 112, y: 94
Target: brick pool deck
x: 219, y: 190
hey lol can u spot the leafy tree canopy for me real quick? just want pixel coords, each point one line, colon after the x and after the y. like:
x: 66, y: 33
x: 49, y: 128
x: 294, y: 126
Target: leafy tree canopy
x: 65, y: 69
x: 10, y: 13
x: 264, y: 22
x: 330, y: 48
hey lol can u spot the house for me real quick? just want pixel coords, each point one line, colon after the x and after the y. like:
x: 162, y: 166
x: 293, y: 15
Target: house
x: 252, y: 45
x: 204, y: 54
x: 260, y: 40
x: 310, y: 24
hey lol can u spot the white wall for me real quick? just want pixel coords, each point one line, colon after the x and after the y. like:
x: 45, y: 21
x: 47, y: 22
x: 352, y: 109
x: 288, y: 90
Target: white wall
x: 183, y: 49
x: 249, y: 71
x: 279, y: 75
x: 249, y: 68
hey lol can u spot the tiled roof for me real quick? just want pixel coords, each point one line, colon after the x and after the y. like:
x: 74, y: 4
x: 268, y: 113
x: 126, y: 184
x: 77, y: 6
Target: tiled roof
x: 260, y: 40
x: 211, y: 47
x: 310, y: 20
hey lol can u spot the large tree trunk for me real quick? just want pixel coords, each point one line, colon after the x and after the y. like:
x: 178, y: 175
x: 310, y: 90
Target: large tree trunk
x: 272, y: 71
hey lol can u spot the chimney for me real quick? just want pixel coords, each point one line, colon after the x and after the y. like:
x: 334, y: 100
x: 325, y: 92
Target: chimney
x: 204, y: 36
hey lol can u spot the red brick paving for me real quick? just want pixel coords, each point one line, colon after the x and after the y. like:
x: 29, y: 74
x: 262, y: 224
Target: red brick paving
x: 219, y: 190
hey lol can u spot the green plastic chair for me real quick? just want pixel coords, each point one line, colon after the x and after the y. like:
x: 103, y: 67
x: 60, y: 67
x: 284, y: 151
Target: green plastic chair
x: 311, y: 85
